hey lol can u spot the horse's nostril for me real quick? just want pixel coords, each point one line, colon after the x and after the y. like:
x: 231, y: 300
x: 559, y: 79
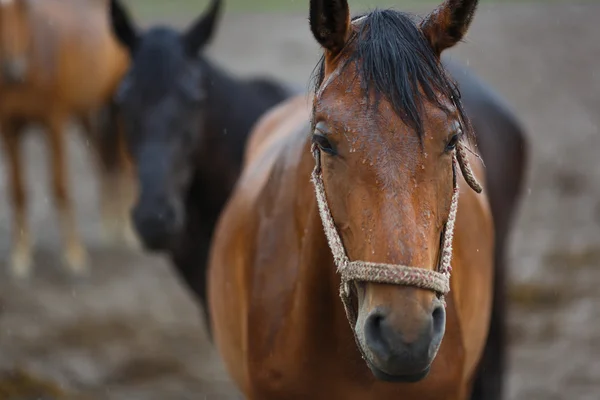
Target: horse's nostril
x: 155, y: 225
x: 376, y: 321
x: 375, y: 333
x: 438, y: 317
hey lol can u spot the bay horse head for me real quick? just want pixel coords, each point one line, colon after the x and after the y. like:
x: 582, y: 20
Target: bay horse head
x: 389, y: 135
x: 162, y: 102
x: 15, y: 40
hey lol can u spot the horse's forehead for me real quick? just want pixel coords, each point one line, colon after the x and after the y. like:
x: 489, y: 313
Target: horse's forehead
x: 371, y: 120
x: 159, y: 61
x: 4, y: 3
x: 157, y: 46
x: 162, y: 41
x: 350, y: 97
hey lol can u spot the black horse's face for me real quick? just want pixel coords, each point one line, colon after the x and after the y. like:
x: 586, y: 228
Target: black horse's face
x: 162, y: 104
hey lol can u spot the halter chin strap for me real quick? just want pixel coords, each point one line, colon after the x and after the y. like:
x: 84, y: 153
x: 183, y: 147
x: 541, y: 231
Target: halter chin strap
x: 365, y: 271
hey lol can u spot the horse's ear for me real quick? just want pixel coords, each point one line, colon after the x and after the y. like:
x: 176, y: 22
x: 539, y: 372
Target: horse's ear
x: 448, y: 24
x: 201, y: 31
x: 122, y: 26
x: 330, y: 23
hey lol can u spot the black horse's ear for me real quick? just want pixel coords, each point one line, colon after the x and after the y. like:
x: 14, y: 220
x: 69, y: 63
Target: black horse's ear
x: 122, y: 26
x: 448, y: 24
x: 330, y: 23
x: 201, y: 31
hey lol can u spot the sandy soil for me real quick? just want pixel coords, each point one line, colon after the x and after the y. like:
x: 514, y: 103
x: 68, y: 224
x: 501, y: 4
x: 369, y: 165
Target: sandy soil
x: 133, y: 332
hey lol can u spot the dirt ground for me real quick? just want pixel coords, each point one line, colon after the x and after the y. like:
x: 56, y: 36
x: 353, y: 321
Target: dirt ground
x: 132, y: 331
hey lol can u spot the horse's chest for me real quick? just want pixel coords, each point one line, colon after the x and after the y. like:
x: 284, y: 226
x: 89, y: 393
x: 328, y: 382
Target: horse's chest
x: 325, y: 370
x: 293, y: 378
x: 328, y: 381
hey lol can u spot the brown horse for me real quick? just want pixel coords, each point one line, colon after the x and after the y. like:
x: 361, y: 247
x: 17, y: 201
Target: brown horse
x: 386, y: 139
x: 59, y: 60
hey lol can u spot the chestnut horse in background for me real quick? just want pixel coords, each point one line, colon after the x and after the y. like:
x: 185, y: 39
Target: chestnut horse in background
x: 59, y: 60
x: 394, y: 210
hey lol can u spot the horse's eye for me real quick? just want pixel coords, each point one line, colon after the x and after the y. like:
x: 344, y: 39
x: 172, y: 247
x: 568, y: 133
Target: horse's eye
x: 323, y: 143
x: 452, y: 143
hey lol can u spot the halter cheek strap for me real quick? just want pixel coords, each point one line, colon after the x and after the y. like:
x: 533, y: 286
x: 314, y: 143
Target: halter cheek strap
x: 365, y: 271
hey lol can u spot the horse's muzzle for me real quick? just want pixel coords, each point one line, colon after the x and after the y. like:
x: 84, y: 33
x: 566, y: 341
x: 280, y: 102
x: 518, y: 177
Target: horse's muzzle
x: 395, y: 357
x: 156, y: 226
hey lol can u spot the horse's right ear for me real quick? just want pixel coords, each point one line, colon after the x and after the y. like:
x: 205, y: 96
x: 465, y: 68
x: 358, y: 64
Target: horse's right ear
x: 122, y: 26
x: 448, y: 24
x: 330, y: 23
x: 201, y: 31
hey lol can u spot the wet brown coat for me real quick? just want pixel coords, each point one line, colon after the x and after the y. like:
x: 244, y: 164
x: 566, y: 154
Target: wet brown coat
x: 278, y: 319
x: 273, y: 289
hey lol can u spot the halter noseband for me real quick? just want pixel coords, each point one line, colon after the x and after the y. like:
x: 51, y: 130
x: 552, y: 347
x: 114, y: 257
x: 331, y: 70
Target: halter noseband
x: 365, y: 271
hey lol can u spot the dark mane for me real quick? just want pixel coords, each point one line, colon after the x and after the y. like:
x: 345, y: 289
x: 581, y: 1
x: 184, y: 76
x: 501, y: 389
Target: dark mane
x: 394, y: 60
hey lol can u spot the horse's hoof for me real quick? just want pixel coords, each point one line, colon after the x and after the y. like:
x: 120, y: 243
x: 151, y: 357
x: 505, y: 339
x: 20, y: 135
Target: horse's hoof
x: 120, y: 234
x: 20, y: 266
x: 130, y: 238
x: 78, y: 262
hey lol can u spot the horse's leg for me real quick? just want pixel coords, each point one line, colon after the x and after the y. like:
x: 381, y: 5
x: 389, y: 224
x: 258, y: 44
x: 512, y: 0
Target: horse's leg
x: 115, y: 181
x: 89, y: 135
x: 127, y: 184
x: 21, y: 260
x: 108, y: 185
x: 75, y: 253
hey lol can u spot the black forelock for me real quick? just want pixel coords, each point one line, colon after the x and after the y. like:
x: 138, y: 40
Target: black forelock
x: 157, y: 62
x: 393, y: 59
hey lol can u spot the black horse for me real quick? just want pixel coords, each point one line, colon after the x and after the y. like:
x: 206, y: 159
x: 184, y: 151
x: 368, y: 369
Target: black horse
x: 185, y: 123
x: 503, y: 147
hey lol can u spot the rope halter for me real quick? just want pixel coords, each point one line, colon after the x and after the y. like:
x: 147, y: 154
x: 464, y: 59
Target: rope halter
x: 365, y: 271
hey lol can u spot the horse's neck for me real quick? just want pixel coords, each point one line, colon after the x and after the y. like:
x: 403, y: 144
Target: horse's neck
x: 236, y: 105
x: 217, y: 158
x: 318, y: 312
x: 205, y: 198
x: 221, y: 146
x: 215, y: 173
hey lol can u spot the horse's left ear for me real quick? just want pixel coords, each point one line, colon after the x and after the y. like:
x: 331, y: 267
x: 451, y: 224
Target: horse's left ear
x: 201, y: 31
x: 330, y: 24
x: 448, y: 24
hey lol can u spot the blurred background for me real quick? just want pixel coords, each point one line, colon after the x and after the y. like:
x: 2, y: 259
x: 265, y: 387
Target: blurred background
x: 131, y: 331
